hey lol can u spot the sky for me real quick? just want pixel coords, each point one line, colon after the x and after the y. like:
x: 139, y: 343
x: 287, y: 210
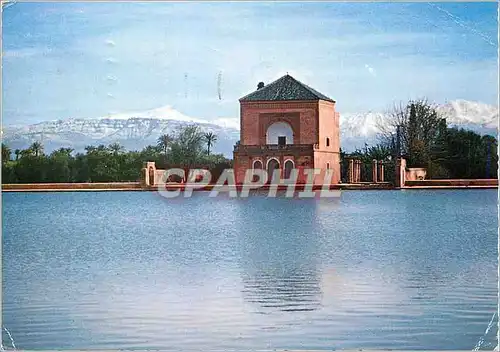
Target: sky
x: 86, y: 60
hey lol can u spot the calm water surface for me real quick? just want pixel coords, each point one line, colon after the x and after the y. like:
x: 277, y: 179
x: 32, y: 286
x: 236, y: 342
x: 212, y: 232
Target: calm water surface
x: 373, y: 269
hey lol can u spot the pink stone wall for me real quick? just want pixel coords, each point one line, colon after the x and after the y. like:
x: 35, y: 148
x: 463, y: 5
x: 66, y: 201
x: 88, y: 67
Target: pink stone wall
x: 328, y: 127
x: 158, y: 176
x: 250, y: 114
x: 400, y: 172
x: 328, y: 153
x: 321, y: 159
x: 241, y: 164
x: 311, y: 121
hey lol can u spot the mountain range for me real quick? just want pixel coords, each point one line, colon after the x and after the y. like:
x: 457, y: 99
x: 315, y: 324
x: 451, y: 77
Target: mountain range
x: 138, y: 129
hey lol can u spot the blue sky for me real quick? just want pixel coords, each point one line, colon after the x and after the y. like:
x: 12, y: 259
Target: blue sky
x: 92, y: 59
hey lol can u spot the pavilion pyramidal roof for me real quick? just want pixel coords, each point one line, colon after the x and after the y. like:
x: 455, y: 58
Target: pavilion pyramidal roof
x: 285, y: 88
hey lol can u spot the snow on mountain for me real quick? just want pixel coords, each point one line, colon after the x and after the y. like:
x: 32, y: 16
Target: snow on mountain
x: 162, y: 113
x: 457, y: 113
x: 358, y: 129
x: 229, y: 122
x: 463, y: 112
x: 133, y: 130
x: 137, y: 129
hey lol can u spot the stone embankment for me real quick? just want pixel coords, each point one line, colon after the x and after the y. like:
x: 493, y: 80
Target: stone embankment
x: 456, y: 183
x: 138, y: 186
x: 54, y: 187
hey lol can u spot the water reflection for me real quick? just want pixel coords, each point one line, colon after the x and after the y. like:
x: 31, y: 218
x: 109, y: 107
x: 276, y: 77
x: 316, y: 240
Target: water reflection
x: 279, y: 254
x: 286, y: 291
x: 375, y: 270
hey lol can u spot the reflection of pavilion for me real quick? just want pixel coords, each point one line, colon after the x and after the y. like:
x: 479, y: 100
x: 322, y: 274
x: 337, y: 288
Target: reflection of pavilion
x: 287, y: 125
x: 279, y: 255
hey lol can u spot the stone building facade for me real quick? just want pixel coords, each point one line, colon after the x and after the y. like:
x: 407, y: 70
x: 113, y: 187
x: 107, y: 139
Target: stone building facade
x: 288, y: 125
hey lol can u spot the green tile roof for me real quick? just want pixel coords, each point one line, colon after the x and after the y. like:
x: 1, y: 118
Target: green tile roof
x: 283, y: 89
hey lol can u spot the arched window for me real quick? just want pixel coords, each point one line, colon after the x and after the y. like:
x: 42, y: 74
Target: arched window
x: 279, y: 133
x: 289, y: 166
x: 257, y: 164
x: 272, y: 165
x: 328, y: 166
x: 327, y: 141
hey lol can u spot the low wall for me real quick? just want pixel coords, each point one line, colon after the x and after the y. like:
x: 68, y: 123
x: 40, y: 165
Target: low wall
x: 72, y: 186
x: 415, y: 174
x: 453, y: 183
x: 131, y: 186
x: 298, y: 187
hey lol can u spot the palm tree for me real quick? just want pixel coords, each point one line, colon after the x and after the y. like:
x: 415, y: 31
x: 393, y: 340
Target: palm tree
x: 164, y: 142
x: 63, y: 151
x: 67, y: 150
x: 26, y: 153
x: 210, y: 138
x: 37, y: 148
x: 102, y: 148
x: 6, y: 151
x: 17, y: 152
x: 151, y: 150
x: 90, y: 149
x: 116, y: 148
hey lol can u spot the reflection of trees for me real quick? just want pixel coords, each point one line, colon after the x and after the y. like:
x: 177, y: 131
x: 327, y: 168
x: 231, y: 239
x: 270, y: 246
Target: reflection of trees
x: 279, y: 253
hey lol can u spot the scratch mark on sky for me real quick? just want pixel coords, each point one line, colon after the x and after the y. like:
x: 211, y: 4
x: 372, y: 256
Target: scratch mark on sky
x: 461, y: 23
x: 219, y: 85
x: 7, y: 3
x: 10, y: 337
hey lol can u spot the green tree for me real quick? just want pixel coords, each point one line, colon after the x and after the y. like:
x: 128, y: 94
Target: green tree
x: 6, y: 153
x: 90, y: 149
x: 210, y: 138
x: 31, y: 168
x: 470, y: 155
x: 9, y: 172
x: 63, y: 151
x: 36, y: 148
x: 164, y: 142
x: 59, y: 166
x: 116, y: 148
x: 421, y: 133
x: 187, y: 147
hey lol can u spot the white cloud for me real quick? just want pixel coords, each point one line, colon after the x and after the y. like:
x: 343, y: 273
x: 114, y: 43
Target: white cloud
x: 334, y: 53
x: 371, y: 70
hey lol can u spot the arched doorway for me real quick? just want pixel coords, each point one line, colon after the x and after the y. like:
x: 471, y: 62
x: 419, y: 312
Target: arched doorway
x: 279, y: 132
x: 272, y: 165
x: 257, y: 165
x: 289, y: 166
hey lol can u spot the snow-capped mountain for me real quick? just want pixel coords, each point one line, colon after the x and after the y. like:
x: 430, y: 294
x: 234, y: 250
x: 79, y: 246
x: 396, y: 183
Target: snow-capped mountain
x: 136, y: 130
x: 133, y: 130
x: 358, y: 129
x: 463, y: 112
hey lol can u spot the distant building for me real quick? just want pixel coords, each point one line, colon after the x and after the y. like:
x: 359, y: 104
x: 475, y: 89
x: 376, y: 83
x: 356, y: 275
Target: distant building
x: 287, y: 125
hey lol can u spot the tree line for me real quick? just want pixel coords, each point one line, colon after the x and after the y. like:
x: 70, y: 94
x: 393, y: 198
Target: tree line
x: 419, y: 133
x: 187, y: 147
x: 414, y: 130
